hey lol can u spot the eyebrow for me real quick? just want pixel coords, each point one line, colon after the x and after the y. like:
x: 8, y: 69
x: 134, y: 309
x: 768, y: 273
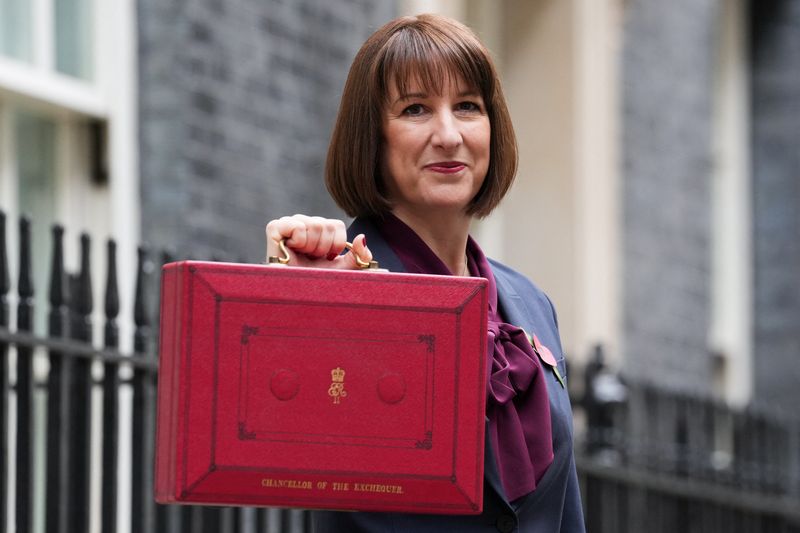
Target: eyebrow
x: 409, y: 96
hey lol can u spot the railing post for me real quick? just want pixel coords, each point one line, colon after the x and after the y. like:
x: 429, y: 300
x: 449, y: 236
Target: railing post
x: 58, y: 398
x: 5, y: 285
x: 142, y: 505
x: 794, y: 460
x: 168, y: 517
x: 80, y: 416
x: 25, y: 386
x: 110, y: 397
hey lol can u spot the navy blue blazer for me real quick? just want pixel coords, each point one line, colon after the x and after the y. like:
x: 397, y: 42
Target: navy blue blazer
x: 555, y: 505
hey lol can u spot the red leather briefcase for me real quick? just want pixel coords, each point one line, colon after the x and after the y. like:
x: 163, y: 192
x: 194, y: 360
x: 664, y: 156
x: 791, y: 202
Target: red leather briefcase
x: 316, y: 388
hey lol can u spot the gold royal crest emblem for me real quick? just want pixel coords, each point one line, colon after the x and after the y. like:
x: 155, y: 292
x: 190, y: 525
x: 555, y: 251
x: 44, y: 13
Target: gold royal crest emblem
x: 336, y: 389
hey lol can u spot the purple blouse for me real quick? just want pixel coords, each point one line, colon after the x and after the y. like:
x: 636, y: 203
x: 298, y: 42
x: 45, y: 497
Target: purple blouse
x: 517, y: 406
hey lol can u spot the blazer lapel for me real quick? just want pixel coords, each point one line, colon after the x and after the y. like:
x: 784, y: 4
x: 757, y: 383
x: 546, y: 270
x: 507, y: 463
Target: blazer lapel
x: 512, y: 308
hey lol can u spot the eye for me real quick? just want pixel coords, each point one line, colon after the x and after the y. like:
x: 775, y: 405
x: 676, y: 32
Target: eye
x: 414, y: 110
x: 469, y: 107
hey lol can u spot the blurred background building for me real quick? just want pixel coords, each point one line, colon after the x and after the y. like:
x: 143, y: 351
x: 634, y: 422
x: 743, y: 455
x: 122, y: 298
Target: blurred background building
x: 657, y: 201
x: 657, y: 198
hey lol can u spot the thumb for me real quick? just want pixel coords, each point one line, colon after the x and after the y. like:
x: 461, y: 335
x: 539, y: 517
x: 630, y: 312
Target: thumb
x: 359, y: 250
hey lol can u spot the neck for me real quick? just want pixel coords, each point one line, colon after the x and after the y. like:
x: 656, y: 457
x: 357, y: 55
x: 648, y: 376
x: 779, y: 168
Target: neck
x: 446, y: 235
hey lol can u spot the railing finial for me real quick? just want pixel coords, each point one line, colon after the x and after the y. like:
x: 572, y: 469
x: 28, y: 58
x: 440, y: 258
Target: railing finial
x: 140, y: 315
x: 140, y: 308
x: 25, y: 286
x: 111, y: 296
x: 58, y: 286
x: 84, y: 303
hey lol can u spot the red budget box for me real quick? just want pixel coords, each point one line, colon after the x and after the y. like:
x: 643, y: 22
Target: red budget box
x: 313, y: 388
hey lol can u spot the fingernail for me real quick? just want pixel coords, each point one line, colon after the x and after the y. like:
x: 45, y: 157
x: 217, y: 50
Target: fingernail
x: 332, y: 256
x: 364, y: 241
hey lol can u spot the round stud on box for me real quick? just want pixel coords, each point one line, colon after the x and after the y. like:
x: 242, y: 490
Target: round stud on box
x: 391, y: 388
x: 284, y: 384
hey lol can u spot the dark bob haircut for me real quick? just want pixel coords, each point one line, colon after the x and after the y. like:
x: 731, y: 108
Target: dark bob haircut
x: 430, y: 49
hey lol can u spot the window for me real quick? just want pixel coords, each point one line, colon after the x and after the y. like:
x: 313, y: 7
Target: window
x: 54, y: 35
x: 15, y: 29
x: 73, y: 38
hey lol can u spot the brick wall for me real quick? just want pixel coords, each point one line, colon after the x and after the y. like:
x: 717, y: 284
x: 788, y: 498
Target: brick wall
x: 237, y: 101
x: 776, y: 200
x: 667, y: 80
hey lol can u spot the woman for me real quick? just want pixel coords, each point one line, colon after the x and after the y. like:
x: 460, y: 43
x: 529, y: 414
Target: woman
x: 423, y: 143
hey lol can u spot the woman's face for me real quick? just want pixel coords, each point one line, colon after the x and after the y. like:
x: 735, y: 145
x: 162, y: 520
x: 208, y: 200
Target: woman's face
x: 435, y: 146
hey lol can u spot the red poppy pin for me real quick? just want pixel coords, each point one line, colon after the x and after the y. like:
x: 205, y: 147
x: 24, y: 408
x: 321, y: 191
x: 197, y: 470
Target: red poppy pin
x: 546, y: 356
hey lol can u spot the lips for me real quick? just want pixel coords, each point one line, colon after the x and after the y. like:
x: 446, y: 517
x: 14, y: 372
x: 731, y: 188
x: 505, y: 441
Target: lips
x: 446, y: 167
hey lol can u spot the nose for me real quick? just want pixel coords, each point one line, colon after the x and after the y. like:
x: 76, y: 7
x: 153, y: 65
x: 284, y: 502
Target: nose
x: 446, y: 133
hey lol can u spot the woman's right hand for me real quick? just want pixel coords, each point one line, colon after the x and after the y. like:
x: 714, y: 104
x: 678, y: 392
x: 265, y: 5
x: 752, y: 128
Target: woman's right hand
x: 315, y: 242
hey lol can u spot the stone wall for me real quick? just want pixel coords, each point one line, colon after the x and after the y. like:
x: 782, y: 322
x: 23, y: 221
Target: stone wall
x: 667, y: 64
x: 776, y: 200
x: 237, y: 100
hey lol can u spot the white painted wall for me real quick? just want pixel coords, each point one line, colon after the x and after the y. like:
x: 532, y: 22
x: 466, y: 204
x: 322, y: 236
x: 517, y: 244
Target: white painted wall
x: 730, y: 335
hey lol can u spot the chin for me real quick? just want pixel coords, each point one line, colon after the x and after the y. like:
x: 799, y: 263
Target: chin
x: 459, y: 205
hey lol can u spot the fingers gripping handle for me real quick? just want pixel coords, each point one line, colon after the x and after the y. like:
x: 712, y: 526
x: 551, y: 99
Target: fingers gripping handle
x: 284, y: 258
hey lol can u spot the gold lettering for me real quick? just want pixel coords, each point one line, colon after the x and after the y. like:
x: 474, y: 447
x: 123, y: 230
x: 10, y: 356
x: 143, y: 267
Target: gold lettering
x: 377, y: 487
x: 285, y: 484
x: 338, y: 486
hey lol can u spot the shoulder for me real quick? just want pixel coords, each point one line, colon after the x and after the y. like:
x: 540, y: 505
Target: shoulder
x: 518, y: 281
x: 516, y: 285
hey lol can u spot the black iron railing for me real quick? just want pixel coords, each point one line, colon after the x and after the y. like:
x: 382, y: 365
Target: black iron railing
x: 655, y: 460
x: 83, y: 387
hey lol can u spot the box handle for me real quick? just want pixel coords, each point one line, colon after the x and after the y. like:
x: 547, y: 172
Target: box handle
x: 284, y: 259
